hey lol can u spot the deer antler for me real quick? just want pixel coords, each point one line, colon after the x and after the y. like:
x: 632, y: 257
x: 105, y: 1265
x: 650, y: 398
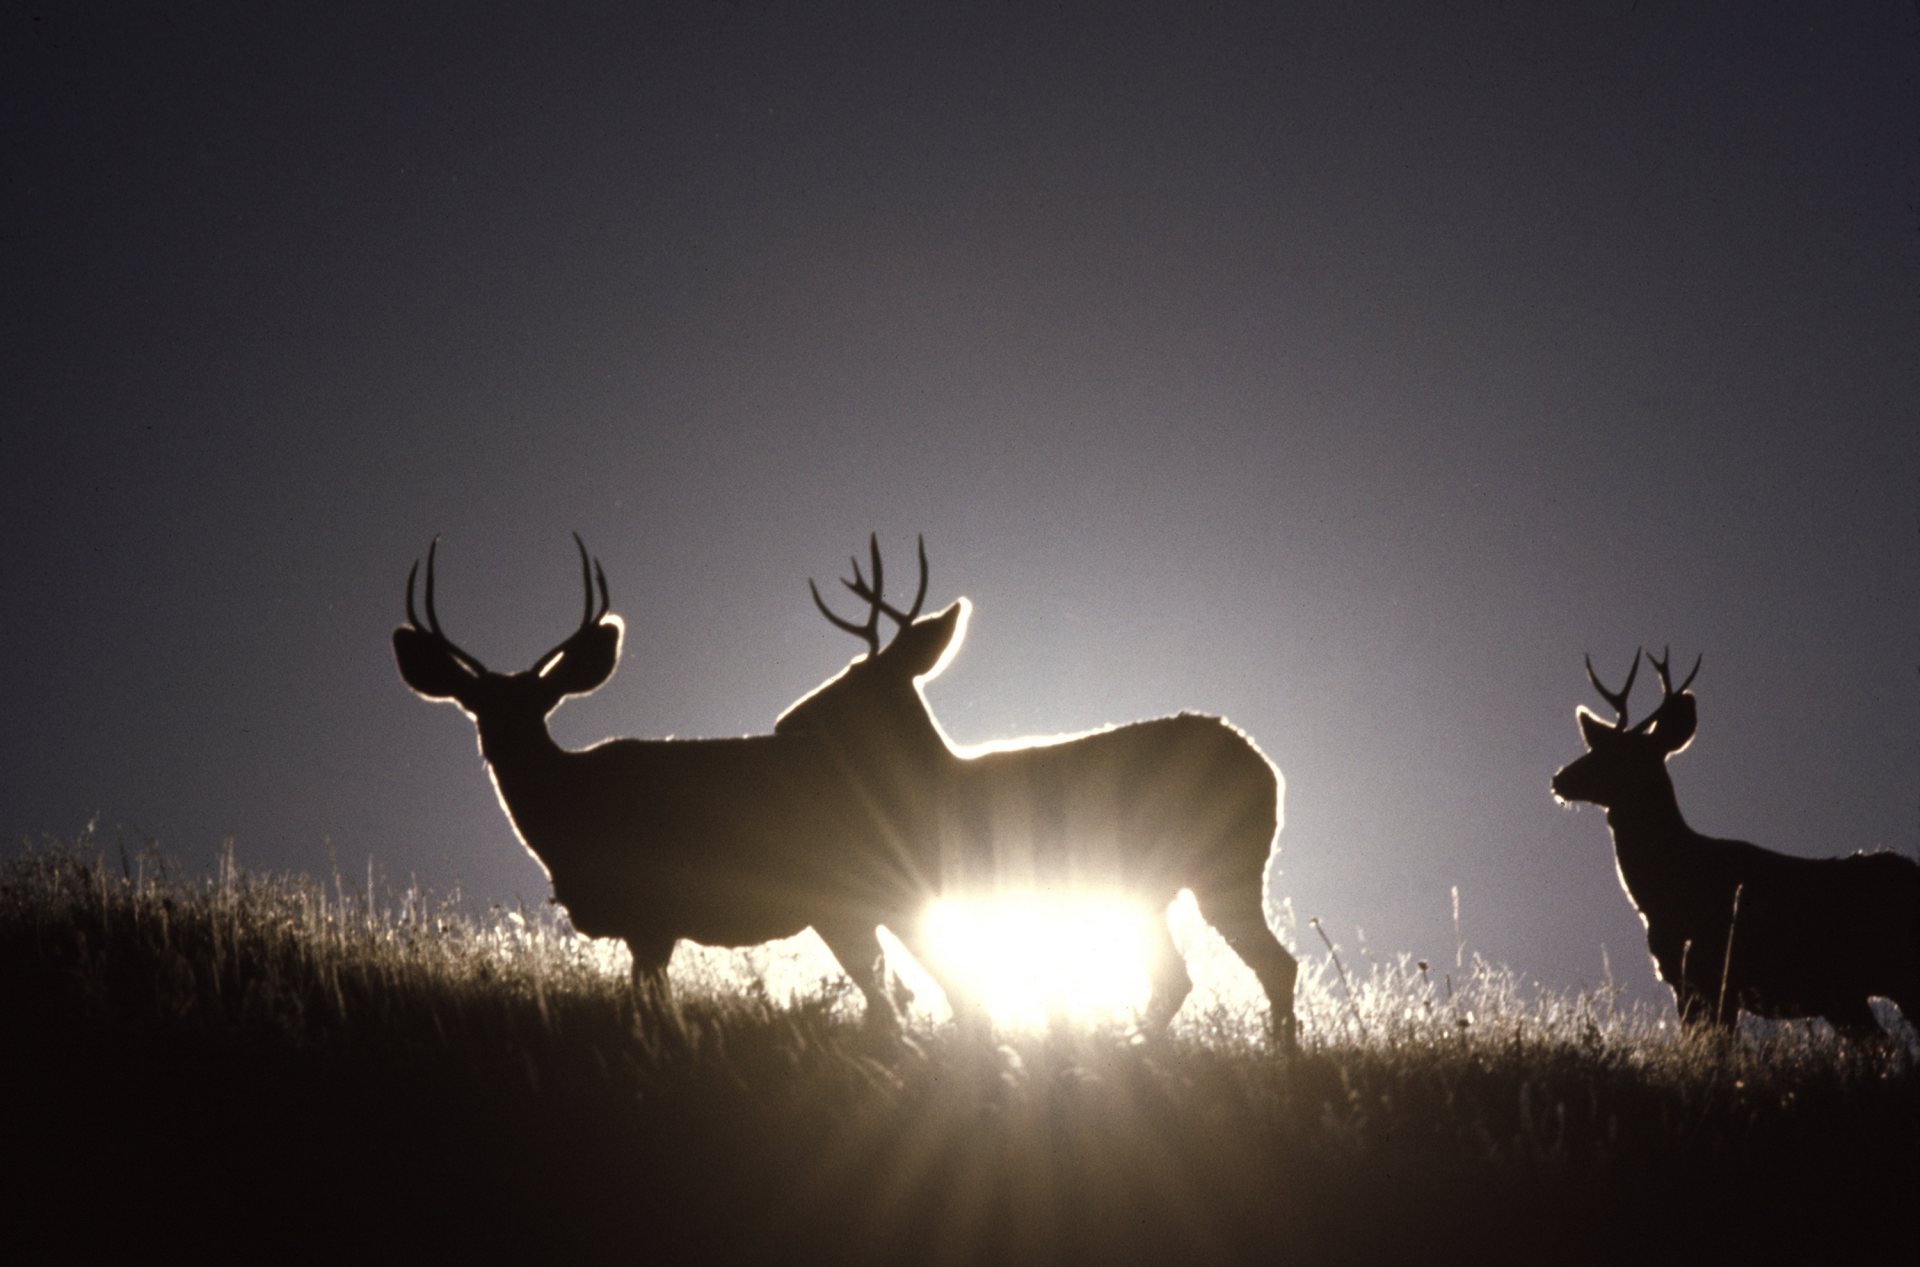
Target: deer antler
x: 873, y: 596
x: 1616, y: 698
x: 590, y: 570
x: 859, y: 586
x: 588, y: 615
x: 1667, y: 688
x: 472, y: 663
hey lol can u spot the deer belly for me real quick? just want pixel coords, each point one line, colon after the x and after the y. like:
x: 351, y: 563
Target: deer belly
x: 595, y: 912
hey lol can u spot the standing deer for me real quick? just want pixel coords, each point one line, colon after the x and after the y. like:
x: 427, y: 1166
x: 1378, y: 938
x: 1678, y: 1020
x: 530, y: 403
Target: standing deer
x: 1144, y: 809
x: 729, y: 842
x: 1731, y: 925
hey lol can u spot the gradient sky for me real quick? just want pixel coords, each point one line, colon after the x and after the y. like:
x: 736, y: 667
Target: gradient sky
x: 1345, y: 369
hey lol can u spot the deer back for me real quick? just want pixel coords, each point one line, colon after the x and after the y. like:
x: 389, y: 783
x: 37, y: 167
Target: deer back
x: 1160, y: 802
x: 1141, y: 802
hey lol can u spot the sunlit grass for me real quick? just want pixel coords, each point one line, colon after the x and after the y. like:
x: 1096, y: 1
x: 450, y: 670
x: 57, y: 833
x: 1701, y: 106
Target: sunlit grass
x: 446, y: 1072
x: 1041, y: 964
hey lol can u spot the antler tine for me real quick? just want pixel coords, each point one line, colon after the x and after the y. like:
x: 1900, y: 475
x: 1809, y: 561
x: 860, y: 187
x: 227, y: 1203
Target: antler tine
x: 1667, y: 688
x: 591, y: 571
x: 586, y: 581
x: 920, y: 595
x: 868, y: 633
x: 867, y: 593
x: 1616, y: 698
x: 590, y: 616
x: 588, y: 574
x: 858, y: 585
x: 433, y: 617
x: 871, y: 595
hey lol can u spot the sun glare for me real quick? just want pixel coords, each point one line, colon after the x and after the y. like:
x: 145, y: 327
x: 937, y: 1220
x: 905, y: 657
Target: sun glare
x: 1036, y: 960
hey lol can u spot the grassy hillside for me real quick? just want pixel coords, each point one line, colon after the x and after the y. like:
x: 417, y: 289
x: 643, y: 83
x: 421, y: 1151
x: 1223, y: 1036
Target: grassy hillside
x: 252, y: 1068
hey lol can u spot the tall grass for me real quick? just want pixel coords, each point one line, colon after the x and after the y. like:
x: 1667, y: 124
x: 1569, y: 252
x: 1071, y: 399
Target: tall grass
x: 281, y: 1068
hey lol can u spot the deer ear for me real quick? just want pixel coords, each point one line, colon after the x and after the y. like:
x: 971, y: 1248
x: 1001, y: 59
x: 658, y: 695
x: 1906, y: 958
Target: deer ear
x: 925, y: 647
x: 1672, y: 728
x: 428, y: 667
x: 1592, y: 728
x: 586, y: 660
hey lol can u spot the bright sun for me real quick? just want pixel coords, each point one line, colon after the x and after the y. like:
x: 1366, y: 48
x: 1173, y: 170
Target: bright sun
x: 1035, y: 960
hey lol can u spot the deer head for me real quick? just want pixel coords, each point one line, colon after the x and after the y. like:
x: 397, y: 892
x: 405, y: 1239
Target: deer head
x: 436, y: 669
x: 1624, y: 762
x: 874, y: 704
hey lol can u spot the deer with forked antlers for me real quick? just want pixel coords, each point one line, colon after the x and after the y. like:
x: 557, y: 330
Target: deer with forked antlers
x: 728, y: 842
x: 1731, y: 925
x: 1144, y: 809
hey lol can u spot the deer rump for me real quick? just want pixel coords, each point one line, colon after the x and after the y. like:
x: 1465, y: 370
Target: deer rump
x: 1812, y: 936
x: 1145, y: 809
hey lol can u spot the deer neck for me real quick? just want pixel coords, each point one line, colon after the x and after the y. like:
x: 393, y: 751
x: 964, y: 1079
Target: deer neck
x: 925, y: 747
x: 905, y: 759
x: 1645, y: 825
x: 529, y: 775
x: 518, y: 751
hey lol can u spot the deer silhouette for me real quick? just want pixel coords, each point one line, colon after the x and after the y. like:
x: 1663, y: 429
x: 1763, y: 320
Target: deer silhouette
x: 727, y: 842
x: 1144, y: 809
x: 1731, y: 925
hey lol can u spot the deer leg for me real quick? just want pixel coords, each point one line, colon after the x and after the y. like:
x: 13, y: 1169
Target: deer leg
x: 858, y: 949
x: 652, y: 991
x: 969, y: 1010
x: 1167, y: 974
x: 900, y: 992
x: 1243, y: 924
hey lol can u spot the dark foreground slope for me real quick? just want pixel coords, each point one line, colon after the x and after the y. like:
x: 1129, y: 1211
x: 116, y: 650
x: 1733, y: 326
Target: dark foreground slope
x: 250, y: 1069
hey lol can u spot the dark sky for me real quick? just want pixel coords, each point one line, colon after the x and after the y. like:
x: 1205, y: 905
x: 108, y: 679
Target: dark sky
x: 1346, y: 369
